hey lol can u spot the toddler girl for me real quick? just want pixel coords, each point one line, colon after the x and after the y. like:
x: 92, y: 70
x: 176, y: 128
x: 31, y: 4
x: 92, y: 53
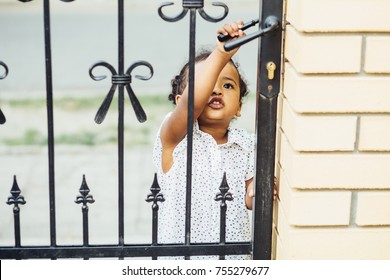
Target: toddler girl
x: 217, y: 148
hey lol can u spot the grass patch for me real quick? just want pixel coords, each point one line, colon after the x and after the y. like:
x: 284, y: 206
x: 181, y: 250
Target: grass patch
x: 134, y: 136
x: 82, y: 138
x: 29, y: 137
x: 26, y: 103
x: 72, y: 103
x: 155, y: 106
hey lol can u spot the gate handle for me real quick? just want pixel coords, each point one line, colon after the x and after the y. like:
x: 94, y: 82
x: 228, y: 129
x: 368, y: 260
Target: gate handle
x: 224, y: 38
x: 271, y: 23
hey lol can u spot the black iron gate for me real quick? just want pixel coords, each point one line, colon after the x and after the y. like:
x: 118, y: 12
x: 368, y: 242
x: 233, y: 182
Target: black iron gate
x: 268, y: 84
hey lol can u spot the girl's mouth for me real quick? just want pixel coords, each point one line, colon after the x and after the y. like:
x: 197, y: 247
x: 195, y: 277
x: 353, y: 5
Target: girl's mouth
x: 216, y: 103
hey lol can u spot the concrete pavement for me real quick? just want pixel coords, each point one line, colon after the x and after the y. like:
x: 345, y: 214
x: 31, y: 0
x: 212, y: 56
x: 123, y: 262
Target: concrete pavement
x: 100, y: 168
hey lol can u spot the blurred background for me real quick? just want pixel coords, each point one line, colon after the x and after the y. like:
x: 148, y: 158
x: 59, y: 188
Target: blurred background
x: 84, y: 32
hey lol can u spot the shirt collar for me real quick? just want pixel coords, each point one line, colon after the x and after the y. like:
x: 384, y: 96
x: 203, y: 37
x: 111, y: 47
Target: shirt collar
x: 239, y: 137
x: 235, y: 136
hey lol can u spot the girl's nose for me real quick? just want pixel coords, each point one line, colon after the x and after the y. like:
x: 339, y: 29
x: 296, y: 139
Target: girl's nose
x: 217, y: 91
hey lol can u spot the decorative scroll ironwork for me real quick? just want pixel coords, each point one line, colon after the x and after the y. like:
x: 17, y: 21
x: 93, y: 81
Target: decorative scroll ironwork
x: 6, y: 70
x: 121, y: 80
x: 2, y: 117
x: 193, y: 4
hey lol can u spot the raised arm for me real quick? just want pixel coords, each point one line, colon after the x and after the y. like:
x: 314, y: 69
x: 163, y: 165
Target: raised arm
x: 174, y: 128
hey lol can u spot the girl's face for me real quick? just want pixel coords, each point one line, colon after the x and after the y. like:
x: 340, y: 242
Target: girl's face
x: 225, y: 101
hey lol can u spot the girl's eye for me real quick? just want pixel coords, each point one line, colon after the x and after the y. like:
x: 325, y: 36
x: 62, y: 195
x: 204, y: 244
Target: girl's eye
x: 228, y: 86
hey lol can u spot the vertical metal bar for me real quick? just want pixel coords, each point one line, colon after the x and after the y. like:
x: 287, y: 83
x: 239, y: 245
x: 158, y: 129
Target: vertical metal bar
x: 222, y: 233
x: 193, y: 6
x: 155, y: 196
x: 16, y: 199
x: 17, y: 226
x: 190, y: 125
x: 85, y: 198
x: 155, y: 209
x: 263, y: 208
x: 154, y: 230
x: 85, y: 227
x: 121, y: 123
x: 223, y: 196
x: 267, y: 93
x: 50, y: 121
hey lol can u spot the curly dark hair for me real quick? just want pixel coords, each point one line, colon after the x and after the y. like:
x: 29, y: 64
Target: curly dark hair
x: 180, y: 81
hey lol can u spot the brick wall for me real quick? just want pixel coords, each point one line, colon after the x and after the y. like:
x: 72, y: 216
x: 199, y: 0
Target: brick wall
x: 334, y: 124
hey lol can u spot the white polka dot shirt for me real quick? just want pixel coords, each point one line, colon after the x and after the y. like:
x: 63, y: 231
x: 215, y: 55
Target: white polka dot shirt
x: 210, y: 161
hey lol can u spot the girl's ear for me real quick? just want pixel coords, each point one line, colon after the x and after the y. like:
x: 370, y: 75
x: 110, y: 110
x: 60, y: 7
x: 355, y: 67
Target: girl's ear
x: 177, y: 99
x: 238, y: 114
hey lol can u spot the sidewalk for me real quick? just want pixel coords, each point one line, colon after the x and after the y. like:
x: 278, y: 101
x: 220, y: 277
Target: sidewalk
x: 100, y: 168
